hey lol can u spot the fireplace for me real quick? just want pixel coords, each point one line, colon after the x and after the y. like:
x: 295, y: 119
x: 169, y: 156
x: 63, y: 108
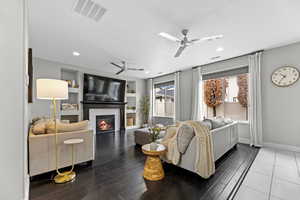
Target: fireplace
x: 105, y: 123
x: 92, y: 110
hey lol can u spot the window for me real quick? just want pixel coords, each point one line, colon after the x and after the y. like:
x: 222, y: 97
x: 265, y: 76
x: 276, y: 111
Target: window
x: 164, y: 99
x: 226, y: 96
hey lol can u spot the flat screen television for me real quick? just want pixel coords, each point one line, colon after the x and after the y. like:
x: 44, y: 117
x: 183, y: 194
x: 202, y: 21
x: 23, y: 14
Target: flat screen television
x: 103, y: 89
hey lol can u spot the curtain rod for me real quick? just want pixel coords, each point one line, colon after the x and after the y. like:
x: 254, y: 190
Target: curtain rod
x: 247, y: 54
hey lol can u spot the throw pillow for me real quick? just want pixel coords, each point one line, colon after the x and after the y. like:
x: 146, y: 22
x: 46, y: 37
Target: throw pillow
x: 217, y: 123
x: 39, y: 125
x: 184, y: 137
x: 207, y: 123
x: 228, y: 120
x: 64, y: 127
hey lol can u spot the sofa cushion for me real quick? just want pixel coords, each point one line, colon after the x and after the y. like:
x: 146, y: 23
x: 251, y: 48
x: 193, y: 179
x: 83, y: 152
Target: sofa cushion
x: 184, y: 136
x: 65, y: 127
x: 217, y: 123
x: 207, y: 123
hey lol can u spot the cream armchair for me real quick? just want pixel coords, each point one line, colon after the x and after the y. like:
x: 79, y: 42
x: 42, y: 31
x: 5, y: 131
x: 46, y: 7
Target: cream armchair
x: 42, y: 150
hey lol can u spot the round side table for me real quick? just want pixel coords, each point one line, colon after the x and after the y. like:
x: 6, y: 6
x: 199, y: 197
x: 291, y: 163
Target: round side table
x: 68, y: 175
x: 153, y: 169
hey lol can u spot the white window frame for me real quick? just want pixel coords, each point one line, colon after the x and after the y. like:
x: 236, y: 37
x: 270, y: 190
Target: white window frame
x: 154, y: 99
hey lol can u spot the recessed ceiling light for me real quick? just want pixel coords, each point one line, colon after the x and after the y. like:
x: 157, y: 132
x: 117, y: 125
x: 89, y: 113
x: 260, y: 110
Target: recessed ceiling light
x: 75, y: 53
x: 147, y: 72
x: 219, y: 49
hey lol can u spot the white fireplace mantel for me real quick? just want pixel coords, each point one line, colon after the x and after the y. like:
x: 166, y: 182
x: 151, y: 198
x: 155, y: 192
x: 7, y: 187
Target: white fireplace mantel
x: 104, y: 111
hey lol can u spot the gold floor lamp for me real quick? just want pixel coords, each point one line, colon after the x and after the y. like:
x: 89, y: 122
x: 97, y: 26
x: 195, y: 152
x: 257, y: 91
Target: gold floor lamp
x: 52, y: 89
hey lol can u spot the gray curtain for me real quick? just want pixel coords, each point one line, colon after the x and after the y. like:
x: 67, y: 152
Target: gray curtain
x: 177, y: 97
x: 255, y: 105
x: 197, y: 95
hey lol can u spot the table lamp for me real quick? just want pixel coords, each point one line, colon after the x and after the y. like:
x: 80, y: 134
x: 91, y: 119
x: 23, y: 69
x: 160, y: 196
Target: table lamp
x: 51, y: 89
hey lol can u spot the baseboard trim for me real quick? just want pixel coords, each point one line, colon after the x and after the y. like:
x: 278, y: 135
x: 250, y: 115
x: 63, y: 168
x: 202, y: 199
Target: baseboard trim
x: 244, y: 140
x: 26, y: 187
x: 282, y: 146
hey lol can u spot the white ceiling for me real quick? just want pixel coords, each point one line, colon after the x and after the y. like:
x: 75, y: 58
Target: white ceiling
x: 129, y: 30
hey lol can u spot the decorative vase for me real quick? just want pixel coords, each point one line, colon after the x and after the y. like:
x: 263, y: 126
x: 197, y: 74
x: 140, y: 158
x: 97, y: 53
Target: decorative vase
x: 153, y: 146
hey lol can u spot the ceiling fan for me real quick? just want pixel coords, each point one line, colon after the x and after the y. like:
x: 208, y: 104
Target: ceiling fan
x: 185, y: 42
x: 124, y: 67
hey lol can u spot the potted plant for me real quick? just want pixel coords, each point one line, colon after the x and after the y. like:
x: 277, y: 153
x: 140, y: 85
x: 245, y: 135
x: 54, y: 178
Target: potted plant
x: 145, y: 108
x: 154, y: 135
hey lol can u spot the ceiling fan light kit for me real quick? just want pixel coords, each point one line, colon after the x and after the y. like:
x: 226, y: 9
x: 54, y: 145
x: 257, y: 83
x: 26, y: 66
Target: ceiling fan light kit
x: 185, y: 42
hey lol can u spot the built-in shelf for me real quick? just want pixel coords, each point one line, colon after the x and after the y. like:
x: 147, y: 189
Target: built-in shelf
x: 74, y: 90
x: 75, y: 94
x: 70, y: 112
x: 131, y: 99
x: 130, y: 111
x: 131, y: 127
x: 131, y: 94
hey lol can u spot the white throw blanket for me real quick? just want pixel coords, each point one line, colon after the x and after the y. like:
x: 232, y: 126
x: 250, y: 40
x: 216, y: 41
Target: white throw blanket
x: 204, y: 162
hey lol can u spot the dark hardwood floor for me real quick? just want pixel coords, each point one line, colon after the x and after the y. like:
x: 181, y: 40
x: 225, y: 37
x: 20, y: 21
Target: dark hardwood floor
x: 116, y: 174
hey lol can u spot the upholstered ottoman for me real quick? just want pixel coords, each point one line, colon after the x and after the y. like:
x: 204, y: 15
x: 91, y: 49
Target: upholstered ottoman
x: 142, y: 136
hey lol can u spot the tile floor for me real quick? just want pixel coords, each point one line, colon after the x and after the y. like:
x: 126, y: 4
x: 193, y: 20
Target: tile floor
x: 274, y: 175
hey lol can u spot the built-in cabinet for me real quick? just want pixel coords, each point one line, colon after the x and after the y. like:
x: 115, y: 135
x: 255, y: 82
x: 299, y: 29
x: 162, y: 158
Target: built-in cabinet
x: 70, y: 109
x: 131, y: 106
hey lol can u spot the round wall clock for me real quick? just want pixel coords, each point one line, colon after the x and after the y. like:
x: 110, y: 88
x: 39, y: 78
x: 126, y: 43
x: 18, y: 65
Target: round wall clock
x: 285, y: 76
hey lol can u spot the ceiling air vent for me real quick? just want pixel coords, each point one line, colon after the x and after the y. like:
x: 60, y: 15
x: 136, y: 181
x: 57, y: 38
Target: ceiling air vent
x: 89, y: 9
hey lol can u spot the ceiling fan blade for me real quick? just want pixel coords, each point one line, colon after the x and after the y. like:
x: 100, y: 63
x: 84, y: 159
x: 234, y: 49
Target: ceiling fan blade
x: 194, y: 40
x: 116, y: 65
x: 179, y: 51
x: 119, y: 72
x: 169, y: 37
x: 135, y: 69
x: 210, y: 38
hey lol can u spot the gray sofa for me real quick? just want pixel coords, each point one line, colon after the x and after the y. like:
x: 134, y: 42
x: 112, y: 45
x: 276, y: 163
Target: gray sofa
x: 224, y: 139
x: 224, y: 136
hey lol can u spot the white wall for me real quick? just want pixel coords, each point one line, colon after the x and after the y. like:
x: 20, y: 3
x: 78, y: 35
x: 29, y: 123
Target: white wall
x: 13, y: 40
x: 244, y: 132
x: 186, y: 94
x: 281, y: 106
x: 50, y: 69
x: 43, y: 69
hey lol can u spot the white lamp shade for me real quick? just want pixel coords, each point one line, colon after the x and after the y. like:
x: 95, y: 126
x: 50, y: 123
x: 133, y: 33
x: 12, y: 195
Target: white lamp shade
x: 52, y: 89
